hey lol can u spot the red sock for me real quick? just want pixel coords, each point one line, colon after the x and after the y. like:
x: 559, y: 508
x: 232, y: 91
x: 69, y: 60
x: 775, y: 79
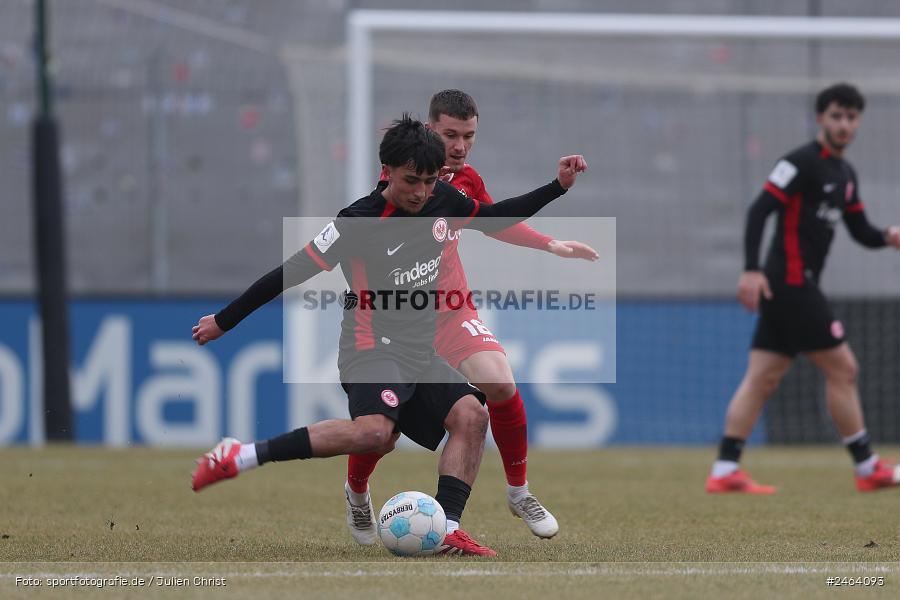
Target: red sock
x: 359, y: 468
x: 510, y: 429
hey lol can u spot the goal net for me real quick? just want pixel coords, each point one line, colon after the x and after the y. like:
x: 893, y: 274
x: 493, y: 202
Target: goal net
x: 681, y: 119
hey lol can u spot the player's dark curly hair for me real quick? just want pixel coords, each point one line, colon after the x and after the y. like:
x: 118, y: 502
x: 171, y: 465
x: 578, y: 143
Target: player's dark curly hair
x: 846, y: 96
x: 408, y: 142
x: 453, y: 103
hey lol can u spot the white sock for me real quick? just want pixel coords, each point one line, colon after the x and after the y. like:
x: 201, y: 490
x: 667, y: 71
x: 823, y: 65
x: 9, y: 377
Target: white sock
x: 246, y: 458
x: 356, y: 498
x: 516, y: 492
x: 866, y: 467
x: 721, y: 468
x: 856, y: 436
x: 452, y: 526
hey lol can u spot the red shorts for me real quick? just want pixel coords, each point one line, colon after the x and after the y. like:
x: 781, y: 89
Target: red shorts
x: 460, y: 334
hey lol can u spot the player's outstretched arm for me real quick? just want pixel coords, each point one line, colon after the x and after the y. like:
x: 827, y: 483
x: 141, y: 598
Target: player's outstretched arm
x: 572, y: 249
x: 298, y: 268
x: 263, y: 290
x: 514, y: 210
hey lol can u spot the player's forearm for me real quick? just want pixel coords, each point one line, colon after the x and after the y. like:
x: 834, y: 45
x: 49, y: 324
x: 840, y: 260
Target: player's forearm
x: 519, y: 208
x: 759, y: 211
x: 863, y: 231
x: 263, y: 290
x: 295, y: 270
x: 523, y: 235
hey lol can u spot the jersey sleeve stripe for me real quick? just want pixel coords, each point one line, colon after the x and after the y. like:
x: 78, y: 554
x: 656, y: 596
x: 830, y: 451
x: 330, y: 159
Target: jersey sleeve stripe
x: 855, y: 208
x: 794, y: 275
x: 364, y: 338
x: 467, y: 220
x: 779, y: 194
x: 317, y: 259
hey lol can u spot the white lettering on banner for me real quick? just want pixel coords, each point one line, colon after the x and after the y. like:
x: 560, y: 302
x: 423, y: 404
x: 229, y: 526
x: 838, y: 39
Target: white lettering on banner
x: 304, y: 361
x: 551, y: 364
x: 199, y: 383
x: 107, y: 365
x: 245, y: 368
x: 11, y: 405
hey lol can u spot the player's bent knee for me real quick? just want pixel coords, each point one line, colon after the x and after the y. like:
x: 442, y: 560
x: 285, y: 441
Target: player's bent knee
x: 374, y: 433
x: 767, y: 382
x: 467, y: 417
x: 390, y: 444
x: 848, y: 373
x: 499, y: 391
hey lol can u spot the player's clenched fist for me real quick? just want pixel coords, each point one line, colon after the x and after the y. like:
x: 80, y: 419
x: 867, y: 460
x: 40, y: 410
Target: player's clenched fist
x: 207, y: 330
x: 892, y: 236
x: 569, y: 168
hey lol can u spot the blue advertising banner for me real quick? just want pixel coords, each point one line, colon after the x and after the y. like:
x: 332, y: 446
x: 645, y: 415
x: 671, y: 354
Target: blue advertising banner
x: 138, y: 378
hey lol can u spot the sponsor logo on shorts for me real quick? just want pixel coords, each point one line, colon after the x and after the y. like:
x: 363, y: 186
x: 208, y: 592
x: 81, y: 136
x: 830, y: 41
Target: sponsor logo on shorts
x: 439, y: 229
x: 837, y: 330
x: 390, y: 398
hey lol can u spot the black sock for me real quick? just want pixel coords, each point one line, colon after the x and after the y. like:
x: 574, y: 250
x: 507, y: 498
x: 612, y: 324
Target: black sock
x: 860, y: 449
x: 730, y: 448
x: 290, y: 446
x: 452, y: 495
x: 262, y: 452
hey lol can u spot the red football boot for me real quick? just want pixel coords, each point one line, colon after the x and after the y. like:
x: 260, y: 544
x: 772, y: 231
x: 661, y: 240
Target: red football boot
x: 217, y: 464
x: 738, y: 482
x: 459, y: 543
x: 886, y: 475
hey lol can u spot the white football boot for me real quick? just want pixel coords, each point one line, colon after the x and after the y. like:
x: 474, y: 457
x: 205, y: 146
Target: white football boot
x: 361, y: 519
x: 539, y: 520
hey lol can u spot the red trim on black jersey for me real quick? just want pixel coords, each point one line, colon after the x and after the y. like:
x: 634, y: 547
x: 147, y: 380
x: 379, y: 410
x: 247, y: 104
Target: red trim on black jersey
x: 468, y: 220
x: 794, y: 273
x: 316, y: 258
x: 359, y: 281
x: 775, y: 191
x: 855, y: 208
x: 388, y: 210
x: 824, y: 153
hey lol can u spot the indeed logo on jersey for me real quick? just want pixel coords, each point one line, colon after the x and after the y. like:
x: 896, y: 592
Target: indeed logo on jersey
x: 830, y: 214
x: 422, y: 273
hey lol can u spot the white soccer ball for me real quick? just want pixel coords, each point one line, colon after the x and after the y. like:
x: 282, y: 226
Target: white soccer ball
x: 412, y: 524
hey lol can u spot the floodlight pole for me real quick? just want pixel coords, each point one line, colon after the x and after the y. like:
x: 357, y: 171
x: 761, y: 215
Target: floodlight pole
x: 50, y: 245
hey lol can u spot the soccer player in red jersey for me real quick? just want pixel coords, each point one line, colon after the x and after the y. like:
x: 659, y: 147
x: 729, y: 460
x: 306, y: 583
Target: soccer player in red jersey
x: 811, y: 189
x: 464, y: 341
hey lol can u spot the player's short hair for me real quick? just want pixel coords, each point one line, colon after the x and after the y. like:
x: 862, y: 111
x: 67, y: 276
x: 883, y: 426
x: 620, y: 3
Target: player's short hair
x: 453, y: 103
x: 844, y: 94
x: 408, y: 142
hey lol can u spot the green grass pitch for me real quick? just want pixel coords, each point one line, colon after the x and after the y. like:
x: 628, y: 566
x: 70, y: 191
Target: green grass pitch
x: 635, y: 522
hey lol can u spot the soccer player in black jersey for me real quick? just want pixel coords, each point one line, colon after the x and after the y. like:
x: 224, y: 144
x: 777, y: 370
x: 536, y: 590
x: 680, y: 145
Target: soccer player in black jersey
x: 390, y: 241
x: 811, y: 189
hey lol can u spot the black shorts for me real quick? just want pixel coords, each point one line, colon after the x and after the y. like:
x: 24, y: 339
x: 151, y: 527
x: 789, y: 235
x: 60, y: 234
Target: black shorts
x: 796, y: 320
x: 418, y: 409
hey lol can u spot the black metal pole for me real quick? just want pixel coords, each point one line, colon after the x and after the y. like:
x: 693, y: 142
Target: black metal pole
x: 49, y: 237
